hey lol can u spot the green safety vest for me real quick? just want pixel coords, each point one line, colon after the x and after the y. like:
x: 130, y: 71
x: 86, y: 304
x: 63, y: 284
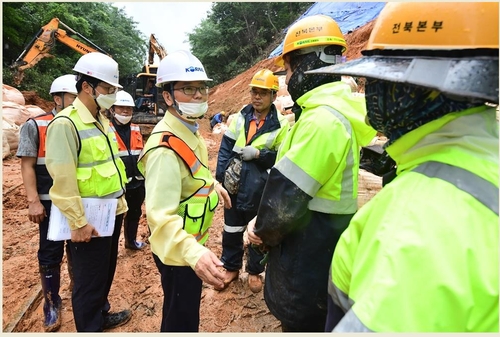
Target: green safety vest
x: 198, y: 210
x: 269, y: 140
x: 100, y: 171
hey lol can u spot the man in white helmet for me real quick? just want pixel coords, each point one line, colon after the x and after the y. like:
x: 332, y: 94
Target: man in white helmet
x: 130, y: 144
x: 37, y: 183
x: 82, y: 158
x: 181, y: 194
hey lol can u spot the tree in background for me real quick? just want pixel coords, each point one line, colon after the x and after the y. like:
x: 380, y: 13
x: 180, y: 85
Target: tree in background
x: 236, y: 35
x: 102, y: 23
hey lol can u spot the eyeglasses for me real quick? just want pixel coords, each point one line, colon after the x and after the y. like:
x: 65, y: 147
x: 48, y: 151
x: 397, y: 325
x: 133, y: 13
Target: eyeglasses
x: 190, y: 91
x: 254, y: 92
x: 110, y: 90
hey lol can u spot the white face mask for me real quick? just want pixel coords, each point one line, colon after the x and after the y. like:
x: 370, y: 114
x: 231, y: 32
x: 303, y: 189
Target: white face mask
x: 192, y: 110
x: 106, y: 101
x: 122, y: 119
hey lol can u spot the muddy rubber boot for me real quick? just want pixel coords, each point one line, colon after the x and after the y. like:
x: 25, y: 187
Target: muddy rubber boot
x: 51, y: 280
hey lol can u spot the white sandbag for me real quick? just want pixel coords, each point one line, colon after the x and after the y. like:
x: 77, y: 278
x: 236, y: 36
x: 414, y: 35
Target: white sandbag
x: 219, y: 128
x: 11, y: 133
x: 5, y: 146
x: 34, y: 110
x: 11, y: 94
x: 15, y: 112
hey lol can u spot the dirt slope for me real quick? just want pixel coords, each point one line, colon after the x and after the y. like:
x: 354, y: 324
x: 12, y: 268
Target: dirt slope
x: 137, y: 282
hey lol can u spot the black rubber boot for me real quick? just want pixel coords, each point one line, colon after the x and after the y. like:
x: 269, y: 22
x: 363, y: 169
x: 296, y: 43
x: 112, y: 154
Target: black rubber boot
x: 51, y: 281
x: 130, y: 233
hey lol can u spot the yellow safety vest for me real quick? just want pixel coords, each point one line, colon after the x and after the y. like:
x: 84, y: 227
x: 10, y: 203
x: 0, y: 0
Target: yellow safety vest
x: 100, y: 171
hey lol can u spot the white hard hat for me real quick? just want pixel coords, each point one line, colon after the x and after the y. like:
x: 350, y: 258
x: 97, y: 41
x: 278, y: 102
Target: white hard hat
x: 123, y: 98
x: 100, y: 66
x: 64, y: 83
x: 180, y: 65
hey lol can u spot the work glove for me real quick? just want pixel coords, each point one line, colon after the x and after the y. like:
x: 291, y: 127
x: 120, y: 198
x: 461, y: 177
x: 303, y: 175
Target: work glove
x: 249, y: 153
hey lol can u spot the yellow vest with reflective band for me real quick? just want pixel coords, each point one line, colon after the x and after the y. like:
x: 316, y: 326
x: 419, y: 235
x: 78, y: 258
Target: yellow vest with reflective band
x: 270, y: 140
x: 198, y: 210
x: 326, y: 167
x: 334, y: 191
x: 100, y: 171
x: 422, y: 254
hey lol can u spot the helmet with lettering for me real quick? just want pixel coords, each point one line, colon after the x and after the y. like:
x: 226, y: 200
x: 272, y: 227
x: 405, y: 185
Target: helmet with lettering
x: 64, y: 83
x: 265, y: 79
x: 312, y: 34
x: 99, y: 66
x: 123, y: 98
x: 445, y: 46
x: 180, y: 65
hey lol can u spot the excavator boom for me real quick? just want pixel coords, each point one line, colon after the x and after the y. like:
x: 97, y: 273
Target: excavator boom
x: 40, y: 46
x: 155, y: 48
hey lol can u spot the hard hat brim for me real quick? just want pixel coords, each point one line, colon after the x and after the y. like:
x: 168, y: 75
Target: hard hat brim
x: 474, y: 78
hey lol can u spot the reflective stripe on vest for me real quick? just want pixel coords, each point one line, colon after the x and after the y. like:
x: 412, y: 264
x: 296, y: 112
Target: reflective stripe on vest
x: 263, y: 141
x: 100, y: 172
x: 135, y: 141
x: 196, y: 211
x: 43, y: 178
x: 310, y: 186
x: 481, y: 189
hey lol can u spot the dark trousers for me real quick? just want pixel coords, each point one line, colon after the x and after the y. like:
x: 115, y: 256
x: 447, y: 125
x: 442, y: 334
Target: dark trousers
x: 94, y: 265
x: 135, y: 198
x: 181, y: 298
x: 333, y: 316
x: 50, y: 253
x: 235, y: 223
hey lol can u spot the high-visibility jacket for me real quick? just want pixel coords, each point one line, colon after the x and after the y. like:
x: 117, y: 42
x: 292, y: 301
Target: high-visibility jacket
x: 129, y: 152
x: 100, y: 171
x: 422, y: 255
x: 43, y: 178
x: 180, y: 196
x: 254, y: 173
x: 309, y: 198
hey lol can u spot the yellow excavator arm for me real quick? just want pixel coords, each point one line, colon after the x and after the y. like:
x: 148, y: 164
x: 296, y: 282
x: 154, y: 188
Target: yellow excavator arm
x: 44, y: 41
x: 155, y: 48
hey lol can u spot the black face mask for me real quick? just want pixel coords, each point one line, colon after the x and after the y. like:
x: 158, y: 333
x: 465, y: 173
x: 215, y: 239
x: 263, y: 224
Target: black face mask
x: 301, y: 83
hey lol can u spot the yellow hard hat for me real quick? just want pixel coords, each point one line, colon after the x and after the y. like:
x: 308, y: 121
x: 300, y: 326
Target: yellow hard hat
x: 312, y: 31
x: 223, y: 113
x: 451, y: 47
x: 265, y: 79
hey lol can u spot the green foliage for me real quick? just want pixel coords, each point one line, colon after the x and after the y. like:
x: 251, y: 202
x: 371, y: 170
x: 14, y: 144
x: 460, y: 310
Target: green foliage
x: 236, y: 35
x: 233, y: 37
x: 101, y: 23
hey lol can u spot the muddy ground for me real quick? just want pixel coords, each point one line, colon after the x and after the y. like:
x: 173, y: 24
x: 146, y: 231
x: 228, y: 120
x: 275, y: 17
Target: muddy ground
x: 137, y: 282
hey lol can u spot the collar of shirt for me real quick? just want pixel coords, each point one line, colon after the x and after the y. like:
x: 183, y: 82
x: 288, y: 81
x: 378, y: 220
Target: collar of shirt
x: 191, y: 127
x: 87, y: 117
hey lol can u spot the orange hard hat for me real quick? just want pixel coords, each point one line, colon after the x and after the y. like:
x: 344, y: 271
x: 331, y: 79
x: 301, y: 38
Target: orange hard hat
x: 446, y: 46
x: 265, y: 79
x: 312, y: 31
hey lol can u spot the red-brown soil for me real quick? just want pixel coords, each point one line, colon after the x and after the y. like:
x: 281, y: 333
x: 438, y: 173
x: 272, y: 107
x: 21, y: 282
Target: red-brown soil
x: 137, y: 282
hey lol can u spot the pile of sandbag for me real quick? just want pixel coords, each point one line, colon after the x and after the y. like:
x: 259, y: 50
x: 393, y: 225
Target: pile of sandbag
x: 14, y: 114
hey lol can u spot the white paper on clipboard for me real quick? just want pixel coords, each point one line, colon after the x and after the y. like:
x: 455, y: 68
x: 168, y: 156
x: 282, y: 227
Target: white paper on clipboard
x: 100, y: 213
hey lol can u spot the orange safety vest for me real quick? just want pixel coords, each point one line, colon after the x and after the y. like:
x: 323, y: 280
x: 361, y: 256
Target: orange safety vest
x: 136, y: 143
x: 43, y: 178
x: 196, y: 211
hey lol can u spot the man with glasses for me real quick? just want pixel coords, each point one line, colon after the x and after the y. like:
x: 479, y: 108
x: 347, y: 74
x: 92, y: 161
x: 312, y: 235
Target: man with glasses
x: 82, y: 159
x: 254, y: 136
x: 181, y: 194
